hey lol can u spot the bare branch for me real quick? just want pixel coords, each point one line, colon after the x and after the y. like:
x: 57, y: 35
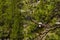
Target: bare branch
x: 44, y: 33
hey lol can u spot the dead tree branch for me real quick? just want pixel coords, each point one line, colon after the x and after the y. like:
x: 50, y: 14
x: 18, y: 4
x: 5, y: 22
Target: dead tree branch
x: 44, y: 33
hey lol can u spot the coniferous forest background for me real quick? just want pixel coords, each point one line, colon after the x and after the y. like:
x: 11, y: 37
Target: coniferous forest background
x: 29, y: 19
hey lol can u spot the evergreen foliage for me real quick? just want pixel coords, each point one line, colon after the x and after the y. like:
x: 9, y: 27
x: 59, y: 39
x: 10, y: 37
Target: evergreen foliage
x: 19, y: 19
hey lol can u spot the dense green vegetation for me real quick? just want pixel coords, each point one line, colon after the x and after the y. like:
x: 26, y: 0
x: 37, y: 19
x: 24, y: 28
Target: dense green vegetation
x: 19, y: 19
